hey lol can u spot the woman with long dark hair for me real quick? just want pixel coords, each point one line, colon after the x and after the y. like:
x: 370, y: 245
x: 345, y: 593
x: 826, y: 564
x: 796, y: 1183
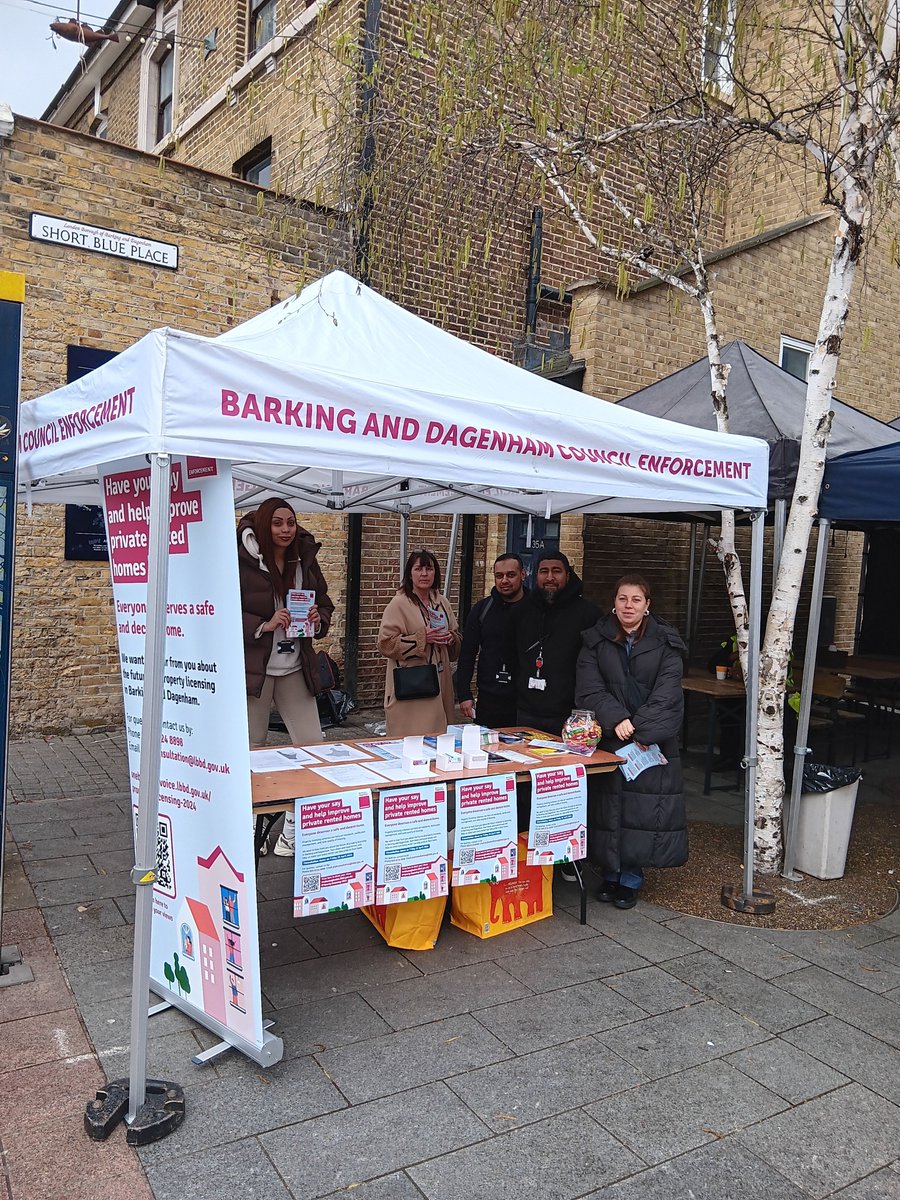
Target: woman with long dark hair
x: 419, y: 627
x: 275, y: 554
x: 629, y: 672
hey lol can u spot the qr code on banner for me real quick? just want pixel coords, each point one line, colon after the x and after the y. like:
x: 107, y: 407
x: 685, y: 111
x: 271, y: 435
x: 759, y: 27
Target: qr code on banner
x: 165, y: 863
x: 541, y: 837
x: 311, y: 883
x: 466, y: 857
x: 391, y: 872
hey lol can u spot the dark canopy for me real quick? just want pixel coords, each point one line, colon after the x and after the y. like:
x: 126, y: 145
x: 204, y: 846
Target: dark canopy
x: 862, y: 487
x: 764, y: 402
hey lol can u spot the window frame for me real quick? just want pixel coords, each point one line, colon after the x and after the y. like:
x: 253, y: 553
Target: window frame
x: 260, y: 155
x: 254, y: 9
x: 792, y: 343
x: 164, y: 106
x: 722, y: 52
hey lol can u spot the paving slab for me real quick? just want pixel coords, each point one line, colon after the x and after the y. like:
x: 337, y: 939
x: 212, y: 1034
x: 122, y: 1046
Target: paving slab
x: 556, y: 1159
x: 456, y: 948
x: 109, y: 1022
x: 95, y: 945
x: 865, y: 1059
x: 831, y: 950
x: 219, y: 1114
x: 78, y: 916
x: 281, y: 946
x: 720, y: 1170
x: 42, y: 1038
x: 346, y: 972
x: 652, y: 940
x: 39, y: 849
x: 401, y: 1060
x: 666, y: 1117
x: 564, y: 926
x: 444, y: 994
x: 216, y: 1172
x: 323, y: 1024
x: 745, y: 947
x: 47, y: 994
x: 787, y: 1070
x: 655, y: 990
x: 857, y: 1006
x: 93, y: 982
x: 396, y: 1186
x: 168, y: 1057
x: 535, y: 1086
x: 747, y: 994
x: 370, y: 1140
x: 577, y: 962
x: 74, y: 866
x: 551, y: 1018
x: 350, y: 932
x: 82, y: 890
x: 889, y: 950
x: 881, y: 1185
x: 831, y: 1141
x: 684, y: 1038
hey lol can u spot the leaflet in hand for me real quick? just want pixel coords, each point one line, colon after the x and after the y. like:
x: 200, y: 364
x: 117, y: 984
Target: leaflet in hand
x: 638, y: 760
x: 299, y: 603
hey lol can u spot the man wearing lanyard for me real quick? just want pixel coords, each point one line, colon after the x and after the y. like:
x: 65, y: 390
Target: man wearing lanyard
x: 487, y: 638
x: 547, y: 629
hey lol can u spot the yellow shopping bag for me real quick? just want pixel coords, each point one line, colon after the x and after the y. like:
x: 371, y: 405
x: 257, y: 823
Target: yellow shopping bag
x: 414, y: 925
x: 487, y: 909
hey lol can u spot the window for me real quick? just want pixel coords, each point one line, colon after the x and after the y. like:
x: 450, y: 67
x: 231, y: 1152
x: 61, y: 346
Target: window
x: 99, y: 125
x: 794, y: 357
x: 262, y: 24
x: 165, y: 93
x: 256, y: 167
x: 718, y: 43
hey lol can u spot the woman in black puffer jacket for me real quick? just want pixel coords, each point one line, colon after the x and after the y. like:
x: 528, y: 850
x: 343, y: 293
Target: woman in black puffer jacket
x: 629, y: 672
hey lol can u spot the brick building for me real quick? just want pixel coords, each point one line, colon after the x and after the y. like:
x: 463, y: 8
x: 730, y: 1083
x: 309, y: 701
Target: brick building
x: 241, y: 90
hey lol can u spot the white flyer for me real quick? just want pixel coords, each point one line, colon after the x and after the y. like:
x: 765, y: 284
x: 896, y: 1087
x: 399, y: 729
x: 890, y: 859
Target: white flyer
x: 485, y: 846
x: 387, y: 749
x: 412, y: 845
x: 557, y: 832
x: 285, y: 758
x: 398, y: 774
x: 335, y: 752
x: 299, y: 603
x: 348, y: 775
x: 334, y: 859
x: 638, y: 759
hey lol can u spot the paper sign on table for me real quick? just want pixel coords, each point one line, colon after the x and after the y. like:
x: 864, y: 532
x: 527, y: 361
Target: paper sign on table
x: 299, y: 603
x: 557, y: 831
x: 412, y: 844
x: 334, y: 858
x: 290, y: 758
x: 348, y: 775
x: 486, y: 814
x: 336, y: 752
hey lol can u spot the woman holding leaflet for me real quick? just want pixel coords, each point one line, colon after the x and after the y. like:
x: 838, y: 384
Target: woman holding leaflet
x: 276, y: 555
x: 629, y: 672
x: 419, y: 627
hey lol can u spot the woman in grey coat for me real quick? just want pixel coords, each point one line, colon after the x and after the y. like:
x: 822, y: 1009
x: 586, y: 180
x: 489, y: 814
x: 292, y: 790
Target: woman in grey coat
x: 629, y: 672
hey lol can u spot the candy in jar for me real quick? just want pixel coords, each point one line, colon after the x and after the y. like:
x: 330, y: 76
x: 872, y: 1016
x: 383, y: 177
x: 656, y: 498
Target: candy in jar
x: 581, y: 733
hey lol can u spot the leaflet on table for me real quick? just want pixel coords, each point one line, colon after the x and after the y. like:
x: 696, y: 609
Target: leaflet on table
x: 204, y: 949
x: 287, y: 758
x: 388, y: 750
x: 557, y: 832
x: 412, y: 844
x: 334, y: 854
x: 637, y: 760
x: 485, y: 842
x: 348, y: 775
x: 398, y: 774
x: 299, y: 603
x: 335, y: 752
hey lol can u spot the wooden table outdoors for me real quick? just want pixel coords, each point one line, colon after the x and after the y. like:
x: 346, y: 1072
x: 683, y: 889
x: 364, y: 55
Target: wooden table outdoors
x: 271, y: 789
x: 701, y: 683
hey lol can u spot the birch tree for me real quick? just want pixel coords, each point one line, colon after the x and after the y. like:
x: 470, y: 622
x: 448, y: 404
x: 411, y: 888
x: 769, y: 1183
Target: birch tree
x: 486, y: 105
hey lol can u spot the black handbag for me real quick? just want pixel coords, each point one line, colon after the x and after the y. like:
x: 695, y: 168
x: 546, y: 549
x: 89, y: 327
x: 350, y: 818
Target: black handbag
x: 416, y: 683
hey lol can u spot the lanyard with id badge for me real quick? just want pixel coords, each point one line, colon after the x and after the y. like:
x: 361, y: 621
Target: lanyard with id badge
x: 536, y: 682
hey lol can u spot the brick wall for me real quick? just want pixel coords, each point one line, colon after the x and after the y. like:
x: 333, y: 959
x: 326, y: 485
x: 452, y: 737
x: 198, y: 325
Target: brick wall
x: 233, y: 264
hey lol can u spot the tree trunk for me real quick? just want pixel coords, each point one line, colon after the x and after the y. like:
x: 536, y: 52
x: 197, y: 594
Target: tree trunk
x: 776, y: 649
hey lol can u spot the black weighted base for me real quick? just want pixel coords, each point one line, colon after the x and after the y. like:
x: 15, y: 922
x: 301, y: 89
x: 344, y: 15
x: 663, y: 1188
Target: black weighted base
x: 760, y: 904
x: 160, y: 1114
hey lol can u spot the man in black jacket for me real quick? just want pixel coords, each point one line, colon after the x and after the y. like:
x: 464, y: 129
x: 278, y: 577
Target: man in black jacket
x: 547, y: 637
x: 487, y: 637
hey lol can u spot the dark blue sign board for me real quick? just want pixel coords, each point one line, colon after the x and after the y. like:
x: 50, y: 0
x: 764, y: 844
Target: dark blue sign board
x: 11, y: 296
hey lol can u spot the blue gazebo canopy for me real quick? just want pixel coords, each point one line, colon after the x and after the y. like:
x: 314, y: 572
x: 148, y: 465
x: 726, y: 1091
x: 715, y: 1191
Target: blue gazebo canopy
x: 862, y: 487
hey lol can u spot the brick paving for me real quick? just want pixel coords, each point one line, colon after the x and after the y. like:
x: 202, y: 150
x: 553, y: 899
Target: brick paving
x: 644, y: 1056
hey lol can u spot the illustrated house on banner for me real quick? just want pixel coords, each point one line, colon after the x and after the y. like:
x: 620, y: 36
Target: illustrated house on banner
x: 200, y: 937
x: 436, y: 881
x: 507, y: 863
x: 223, y: 892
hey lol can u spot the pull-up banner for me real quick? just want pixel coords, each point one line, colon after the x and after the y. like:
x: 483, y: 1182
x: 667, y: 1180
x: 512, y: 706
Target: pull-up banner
x: 205, y: 941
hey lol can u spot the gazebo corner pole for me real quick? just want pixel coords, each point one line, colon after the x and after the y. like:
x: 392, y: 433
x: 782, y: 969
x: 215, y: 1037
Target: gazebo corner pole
x: 692, y: 562
x: 144, y: 873
x: 806, y: 693
x: 451, y: 554
x: 404, y: 535
x: 758, y: 527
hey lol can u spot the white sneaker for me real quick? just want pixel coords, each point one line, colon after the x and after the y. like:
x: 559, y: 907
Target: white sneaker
x: 284, y: 848
x: 264, y: 849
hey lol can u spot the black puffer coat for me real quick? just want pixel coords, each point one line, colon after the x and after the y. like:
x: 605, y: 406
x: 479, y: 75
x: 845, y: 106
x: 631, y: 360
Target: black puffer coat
x: 640, y: 823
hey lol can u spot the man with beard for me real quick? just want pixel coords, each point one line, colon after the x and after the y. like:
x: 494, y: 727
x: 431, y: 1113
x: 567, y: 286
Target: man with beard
x: 547, y: 629
x: 487, y: 638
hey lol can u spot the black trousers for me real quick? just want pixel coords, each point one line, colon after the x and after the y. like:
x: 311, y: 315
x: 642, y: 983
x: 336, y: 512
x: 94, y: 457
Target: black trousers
x: 495, y: 712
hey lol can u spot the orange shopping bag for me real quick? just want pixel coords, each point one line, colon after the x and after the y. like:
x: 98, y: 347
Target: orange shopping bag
x: 487, y: 909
